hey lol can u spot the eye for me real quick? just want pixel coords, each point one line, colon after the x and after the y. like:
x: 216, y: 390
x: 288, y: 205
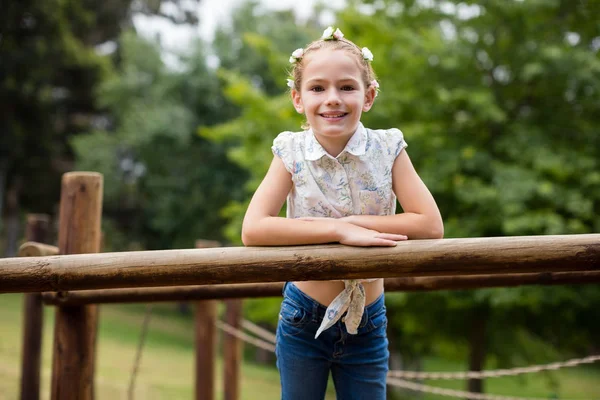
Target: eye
x: 347, y: 88
x: 317, y: 88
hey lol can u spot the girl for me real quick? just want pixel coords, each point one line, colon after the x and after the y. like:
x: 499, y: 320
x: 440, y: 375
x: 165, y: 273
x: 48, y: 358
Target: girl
x: 341, y: 181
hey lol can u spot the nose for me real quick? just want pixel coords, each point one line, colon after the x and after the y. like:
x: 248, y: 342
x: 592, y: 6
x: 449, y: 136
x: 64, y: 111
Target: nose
x: 333, y: 97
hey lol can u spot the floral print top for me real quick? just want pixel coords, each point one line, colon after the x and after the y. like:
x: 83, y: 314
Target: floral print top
x: 356, y: 182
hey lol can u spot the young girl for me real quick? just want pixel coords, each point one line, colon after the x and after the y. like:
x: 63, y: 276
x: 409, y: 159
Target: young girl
x: 341, y: 181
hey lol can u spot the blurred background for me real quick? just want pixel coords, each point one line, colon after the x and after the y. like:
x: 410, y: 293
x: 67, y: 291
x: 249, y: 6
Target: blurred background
x: 176, y: 103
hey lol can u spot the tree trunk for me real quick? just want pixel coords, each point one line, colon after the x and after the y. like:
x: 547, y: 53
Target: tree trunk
x: 477, y: 346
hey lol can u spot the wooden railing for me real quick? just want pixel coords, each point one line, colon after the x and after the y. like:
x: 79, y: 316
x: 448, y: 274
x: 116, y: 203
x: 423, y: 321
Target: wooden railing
x: 74, y: 281
x: 415, y: 258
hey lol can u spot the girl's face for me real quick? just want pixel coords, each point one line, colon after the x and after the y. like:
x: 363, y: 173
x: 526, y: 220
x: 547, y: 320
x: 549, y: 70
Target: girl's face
x: 333, y: 97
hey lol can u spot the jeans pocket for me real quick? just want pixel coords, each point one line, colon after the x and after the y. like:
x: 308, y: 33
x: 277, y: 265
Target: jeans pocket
x: 292, y: 318
x: 377, y: 325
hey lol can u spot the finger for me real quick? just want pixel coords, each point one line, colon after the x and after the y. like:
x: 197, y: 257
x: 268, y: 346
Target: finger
x: 383, y: 242
x: 392, y: 236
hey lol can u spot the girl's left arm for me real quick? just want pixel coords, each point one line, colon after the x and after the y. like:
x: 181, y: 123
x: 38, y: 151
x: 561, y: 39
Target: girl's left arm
x: 421, y: 218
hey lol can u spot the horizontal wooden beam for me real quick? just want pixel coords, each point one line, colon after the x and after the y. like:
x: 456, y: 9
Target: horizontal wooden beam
x: 254, y: 290
x: 35, y: 249
x: 441, y: 257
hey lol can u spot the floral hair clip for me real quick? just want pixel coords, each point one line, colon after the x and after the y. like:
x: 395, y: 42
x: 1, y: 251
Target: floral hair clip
x: 375, y: 84
x: 296, y: 55
x: 330, y: 34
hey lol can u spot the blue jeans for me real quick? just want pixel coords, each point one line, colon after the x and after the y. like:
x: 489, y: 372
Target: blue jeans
x: 358, y: 363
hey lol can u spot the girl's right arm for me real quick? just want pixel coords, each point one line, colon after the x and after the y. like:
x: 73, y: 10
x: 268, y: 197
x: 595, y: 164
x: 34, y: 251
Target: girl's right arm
x: 263, y: 227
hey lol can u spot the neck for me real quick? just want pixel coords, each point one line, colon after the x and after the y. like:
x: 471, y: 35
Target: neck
x: 332, y: 146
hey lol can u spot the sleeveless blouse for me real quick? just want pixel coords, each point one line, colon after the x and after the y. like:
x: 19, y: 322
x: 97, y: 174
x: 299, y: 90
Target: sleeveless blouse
x: 356, y: 182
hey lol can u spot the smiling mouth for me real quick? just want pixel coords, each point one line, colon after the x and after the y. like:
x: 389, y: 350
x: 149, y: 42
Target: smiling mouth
x: 337, y: 115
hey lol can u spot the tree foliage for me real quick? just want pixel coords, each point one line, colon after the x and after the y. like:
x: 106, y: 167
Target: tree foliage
x: 164, y: 184
x: 47, y: 76
x: 498, y: 101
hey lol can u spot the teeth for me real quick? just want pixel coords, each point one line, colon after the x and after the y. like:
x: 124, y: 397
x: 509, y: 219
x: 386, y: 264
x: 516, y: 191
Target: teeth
x: 333, y: 116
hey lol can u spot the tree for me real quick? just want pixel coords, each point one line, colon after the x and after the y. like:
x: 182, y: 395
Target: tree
x: 503, y: 126
x: 50, y: 70
x: 163, y: 183
x: 498, y: 103
x: 47, y: 76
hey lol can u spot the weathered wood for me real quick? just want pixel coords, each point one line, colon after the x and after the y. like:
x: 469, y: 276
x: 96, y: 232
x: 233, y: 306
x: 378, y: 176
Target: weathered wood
x: 32, y: 347
x: 164, y: 294
x: 205, y: 318
x: 37, y: 249
x: 36, y: 229
x: 76, y: 326
x: 443, y: 257
x: 432, y: 283
x: 232, y: 351
x: 274, y: 289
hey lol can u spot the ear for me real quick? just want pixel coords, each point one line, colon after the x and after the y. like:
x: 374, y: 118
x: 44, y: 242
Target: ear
x: 297, y: 100
x: 370, y: 94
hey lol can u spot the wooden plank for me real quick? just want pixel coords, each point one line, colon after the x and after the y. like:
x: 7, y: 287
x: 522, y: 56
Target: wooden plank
x: 76, y: 326
x: 441, y: 257
x: 37, y: 229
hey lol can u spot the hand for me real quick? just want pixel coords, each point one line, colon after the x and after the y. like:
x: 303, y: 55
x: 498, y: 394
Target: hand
x: 354, y: 235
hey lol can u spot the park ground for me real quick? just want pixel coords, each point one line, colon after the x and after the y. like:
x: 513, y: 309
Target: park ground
x: 167, y: 363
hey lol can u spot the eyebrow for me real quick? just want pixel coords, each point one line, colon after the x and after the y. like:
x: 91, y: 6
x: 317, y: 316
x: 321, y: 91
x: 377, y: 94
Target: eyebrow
x: 318, y: 80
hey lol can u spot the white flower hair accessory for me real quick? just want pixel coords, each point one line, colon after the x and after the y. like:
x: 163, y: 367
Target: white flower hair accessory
x: 296, y: 55
x: 330, y: 34
x: 291, y: 84
x: 367, y: 55
x: 375, y: 84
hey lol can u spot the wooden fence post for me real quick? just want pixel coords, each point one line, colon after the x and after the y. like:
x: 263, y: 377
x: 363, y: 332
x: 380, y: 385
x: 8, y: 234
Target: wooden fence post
x: 206, y: 315
x: 232, y: 351
x: 205, y: 340
x: 76, y: 326
x: 37, y: 230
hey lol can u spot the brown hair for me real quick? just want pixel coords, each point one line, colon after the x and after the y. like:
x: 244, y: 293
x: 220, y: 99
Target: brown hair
x: 368, y: 75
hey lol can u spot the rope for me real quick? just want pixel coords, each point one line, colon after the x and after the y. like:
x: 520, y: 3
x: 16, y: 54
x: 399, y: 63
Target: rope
x: 495, y: 373
x: 451, y: 392
x: 259, y: 331
x: 270, y: 337
x: 393, y: 380
x: 138, y: 355
x: 245, y: 337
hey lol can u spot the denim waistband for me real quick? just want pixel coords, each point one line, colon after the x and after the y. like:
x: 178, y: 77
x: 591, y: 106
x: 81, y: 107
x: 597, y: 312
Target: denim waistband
x: 317, y: 309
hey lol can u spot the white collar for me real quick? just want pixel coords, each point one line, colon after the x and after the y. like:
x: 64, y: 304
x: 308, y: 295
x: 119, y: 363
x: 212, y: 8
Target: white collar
x: 357, y: 145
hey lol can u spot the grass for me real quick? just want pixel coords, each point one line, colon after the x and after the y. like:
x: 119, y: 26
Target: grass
x: 167, y: 365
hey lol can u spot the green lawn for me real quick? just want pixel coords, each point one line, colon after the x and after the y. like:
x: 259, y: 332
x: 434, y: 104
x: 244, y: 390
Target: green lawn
x: 166, y: 369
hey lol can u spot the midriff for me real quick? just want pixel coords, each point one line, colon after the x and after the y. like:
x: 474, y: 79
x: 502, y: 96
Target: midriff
x: 325, y: 291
